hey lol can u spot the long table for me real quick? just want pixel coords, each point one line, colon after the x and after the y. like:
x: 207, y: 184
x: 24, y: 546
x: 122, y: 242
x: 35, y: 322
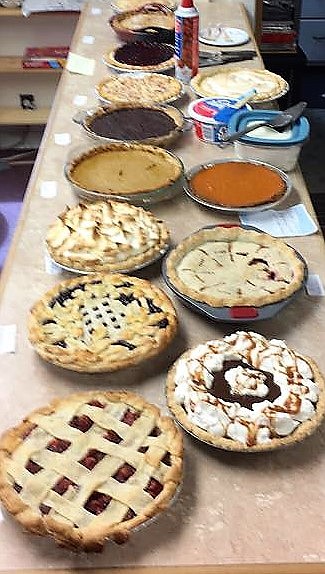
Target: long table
x: 235, y: 513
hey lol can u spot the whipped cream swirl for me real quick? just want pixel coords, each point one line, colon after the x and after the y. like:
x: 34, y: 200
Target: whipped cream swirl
x: 246, y: 388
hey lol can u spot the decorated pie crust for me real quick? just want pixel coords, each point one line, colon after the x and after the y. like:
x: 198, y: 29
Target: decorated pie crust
x: 113, y: 169
x: 245, y: 393
x: 101, y: 323
x: 140, y: 51
x: 226, y: 267
x: 233, y: 82
x: 106, y: 236
x: 148, y: 87
x: 90, y: 467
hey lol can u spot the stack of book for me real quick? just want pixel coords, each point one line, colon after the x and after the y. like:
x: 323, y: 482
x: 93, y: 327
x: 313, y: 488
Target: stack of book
x: 45, y: 57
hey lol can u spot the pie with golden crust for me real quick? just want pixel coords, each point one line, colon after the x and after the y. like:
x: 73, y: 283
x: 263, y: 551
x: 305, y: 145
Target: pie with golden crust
x: 101, y: 323
x: 106, y: 236
x: 246, y: 393
x: 226, y: 267
x: 125, y: 5
x: 146, y: 16
x: 147, y: 87
x: 142, y: 56
x: 90, y: 467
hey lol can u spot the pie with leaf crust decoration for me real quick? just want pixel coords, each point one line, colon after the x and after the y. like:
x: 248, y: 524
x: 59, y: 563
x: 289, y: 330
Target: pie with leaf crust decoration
x: 90, y: 467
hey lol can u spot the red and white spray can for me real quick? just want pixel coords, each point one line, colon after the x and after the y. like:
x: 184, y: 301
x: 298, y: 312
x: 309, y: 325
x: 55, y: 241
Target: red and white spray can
x: 186, y: 41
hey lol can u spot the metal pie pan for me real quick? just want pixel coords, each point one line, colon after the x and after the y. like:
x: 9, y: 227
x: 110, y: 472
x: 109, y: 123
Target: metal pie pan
x: 139, y: 75
x: 164, y: 69
x: 251, y: 209
x: 238, y: 314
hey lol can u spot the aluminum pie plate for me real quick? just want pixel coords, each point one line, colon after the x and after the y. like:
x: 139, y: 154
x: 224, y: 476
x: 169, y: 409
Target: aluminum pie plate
x: 165, y: 70
x: 262, y: 207
x: 236, y: 314
x: 158, y: 256
x: 140, y: 75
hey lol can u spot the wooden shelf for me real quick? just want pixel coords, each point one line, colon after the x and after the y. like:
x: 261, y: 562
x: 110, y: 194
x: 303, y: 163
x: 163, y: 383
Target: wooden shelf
x: 10, y: 12
x: 13, y: 65
x: 19, y: 117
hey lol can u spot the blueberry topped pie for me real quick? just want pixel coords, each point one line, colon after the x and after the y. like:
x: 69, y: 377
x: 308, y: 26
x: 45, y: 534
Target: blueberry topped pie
x: 232, y: 266
x: 90, y: 467
x: 140, y: 55
x: 101, y: 323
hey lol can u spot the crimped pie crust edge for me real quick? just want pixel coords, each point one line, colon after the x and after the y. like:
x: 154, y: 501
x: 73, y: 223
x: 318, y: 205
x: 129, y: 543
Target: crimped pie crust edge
x: 168, y: 94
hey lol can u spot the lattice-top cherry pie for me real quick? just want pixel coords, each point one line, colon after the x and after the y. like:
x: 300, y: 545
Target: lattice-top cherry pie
x: 225, y: 267
x: 90, y: 467
x: 101, y: 322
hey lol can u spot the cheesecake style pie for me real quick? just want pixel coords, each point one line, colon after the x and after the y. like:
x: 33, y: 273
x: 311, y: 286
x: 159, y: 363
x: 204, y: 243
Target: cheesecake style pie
x: 127, y: 24
x: 144, y: 88
x: 143, y: 56
x: 232, y: 266
x: 101, y: 323
x: 125, y: 5
x: 124, y: 170
x: 233, y: 82
x: 90, y: 467
x: 138, y: 123
x: 246, y: 393
x: 106, y: 236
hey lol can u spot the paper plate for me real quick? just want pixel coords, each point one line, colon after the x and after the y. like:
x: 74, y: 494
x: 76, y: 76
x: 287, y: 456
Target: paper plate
x: 223, y: 36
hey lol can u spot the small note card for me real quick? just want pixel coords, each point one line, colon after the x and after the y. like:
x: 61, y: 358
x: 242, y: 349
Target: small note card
x: 48, y: 189
x: 292, y: 222
x: 80, y: 65
x: 314, y: 286
x: 8, y: 338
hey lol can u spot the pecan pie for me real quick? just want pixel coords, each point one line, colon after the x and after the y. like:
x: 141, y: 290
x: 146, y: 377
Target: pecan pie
x: 226, y: 267
x: 246, y: 393
x: 106, y: 236
x: 90, y: 467
x: 101, y: 322
x: 140, y: 55
x: 143, y: 88
x: 233, y: 82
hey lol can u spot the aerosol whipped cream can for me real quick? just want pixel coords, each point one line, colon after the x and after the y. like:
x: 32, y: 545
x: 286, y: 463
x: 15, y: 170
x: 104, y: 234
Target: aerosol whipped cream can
x: 186, y: 41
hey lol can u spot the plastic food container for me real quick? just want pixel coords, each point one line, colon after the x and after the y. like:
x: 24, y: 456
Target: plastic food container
x: 205, y: 111
x: 278, y: 148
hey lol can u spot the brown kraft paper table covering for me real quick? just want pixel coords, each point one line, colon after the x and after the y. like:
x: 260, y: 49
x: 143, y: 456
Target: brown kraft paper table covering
x: 232, y: 509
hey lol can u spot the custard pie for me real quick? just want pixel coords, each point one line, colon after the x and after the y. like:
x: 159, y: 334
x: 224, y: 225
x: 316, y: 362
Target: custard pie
x: 143, y: 56
x: 233, y: 82
x: 101, y: 323
x: 246, y: 393
x: 126, y: 171
x: 106, y: 236
x: 90, y: 467
x: 232, y: 266
x: 142, y: 88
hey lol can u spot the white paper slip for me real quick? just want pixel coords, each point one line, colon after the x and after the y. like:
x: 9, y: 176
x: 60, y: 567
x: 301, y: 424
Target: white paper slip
x: 1, y: 516
x: 96, y: 11
x: 80, y: 65
x: 314, y: 285
x: 62, y: 139
x: 292, y: 222
x: 50, y: 266
x: 8, y: 335
x: 48, y: 189
x: 80, y: 100
x: 88, y: 39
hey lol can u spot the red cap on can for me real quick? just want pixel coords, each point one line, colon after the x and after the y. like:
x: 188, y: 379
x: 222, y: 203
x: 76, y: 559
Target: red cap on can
x: 187, y: 3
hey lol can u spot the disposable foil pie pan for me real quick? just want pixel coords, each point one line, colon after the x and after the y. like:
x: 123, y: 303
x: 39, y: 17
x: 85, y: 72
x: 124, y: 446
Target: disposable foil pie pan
x: 236, y: 314
x: 251, y: 209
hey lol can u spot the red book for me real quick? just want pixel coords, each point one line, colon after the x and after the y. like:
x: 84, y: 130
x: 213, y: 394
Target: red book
x: 46, y: 53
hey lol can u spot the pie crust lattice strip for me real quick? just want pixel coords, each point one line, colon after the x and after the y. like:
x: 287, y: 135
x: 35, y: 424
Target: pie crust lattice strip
x: 101, y: 323
x: 90, y: 467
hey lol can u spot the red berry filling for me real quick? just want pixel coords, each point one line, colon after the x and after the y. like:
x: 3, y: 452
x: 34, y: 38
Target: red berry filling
x: 33, y: 467
x: 96, y: 403
x: 82, y: 423
x: 27, y: 432
x: 63, y: 484
x: 154, y: 487
x: 155, y: 431
x: 143, y: 449
x: 166, y: 460
x: 58, y: 445
x: 92, y: 457
x: 124, y: 472
x: 129, y: 515
x: 130, y: 417
x: 44, y: 508
x: 17, y: 487
x: 97, y: 502
x: 112, y: 436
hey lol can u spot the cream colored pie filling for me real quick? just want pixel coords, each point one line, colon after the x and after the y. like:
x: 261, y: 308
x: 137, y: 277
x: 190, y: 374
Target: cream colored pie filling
x: 106, y: 236
x: 246, y: 388
x: 147, y: 88
x: 234, y: 82
x: 128, y: 171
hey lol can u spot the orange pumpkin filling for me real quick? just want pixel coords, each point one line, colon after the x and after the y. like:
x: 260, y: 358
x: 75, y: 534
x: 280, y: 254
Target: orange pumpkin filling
x: 237, y: 184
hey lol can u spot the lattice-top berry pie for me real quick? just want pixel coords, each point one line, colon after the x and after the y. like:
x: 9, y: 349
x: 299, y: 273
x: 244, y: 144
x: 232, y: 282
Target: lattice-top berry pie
x: 101, y: 322
x: 225, y: 267
x: 90, y: 467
